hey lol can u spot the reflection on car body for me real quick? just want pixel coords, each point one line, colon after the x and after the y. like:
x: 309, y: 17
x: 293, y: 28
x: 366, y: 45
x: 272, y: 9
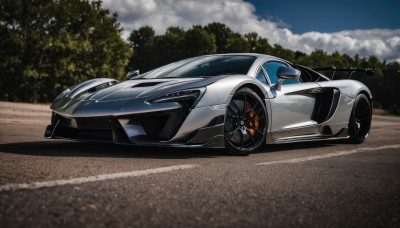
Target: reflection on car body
x: 233, y: 101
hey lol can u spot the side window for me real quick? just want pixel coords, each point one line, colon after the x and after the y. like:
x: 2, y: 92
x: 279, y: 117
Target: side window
x: 261, y: 77
x: 272, y: 68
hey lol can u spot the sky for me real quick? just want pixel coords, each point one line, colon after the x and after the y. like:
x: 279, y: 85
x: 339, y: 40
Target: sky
x: 330, y: 15
x: 349, y: 26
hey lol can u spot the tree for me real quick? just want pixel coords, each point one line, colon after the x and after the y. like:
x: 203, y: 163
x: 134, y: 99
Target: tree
x: 283, y: 53
x: 237, y: 44
x: 142, y: 42
x: 258, y: 44
x: 199, y: 42
x: 48, y: 45
x: 170, y: 46
x: 222, y: 34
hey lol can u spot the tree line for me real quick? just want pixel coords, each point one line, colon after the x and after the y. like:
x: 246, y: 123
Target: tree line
x: 48, y: 45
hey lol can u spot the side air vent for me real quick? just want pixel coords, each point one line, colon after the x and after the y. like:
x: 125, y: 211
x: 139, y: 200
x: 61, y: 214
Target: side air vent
x: 146, y: 84
x: 325, y: 105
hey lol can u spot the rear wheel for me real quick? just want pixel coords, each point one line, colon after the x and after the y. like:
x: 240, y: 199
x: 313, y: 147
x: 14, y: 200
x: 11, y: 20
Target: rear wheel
x: 245, y: 123
x: 360, y: 120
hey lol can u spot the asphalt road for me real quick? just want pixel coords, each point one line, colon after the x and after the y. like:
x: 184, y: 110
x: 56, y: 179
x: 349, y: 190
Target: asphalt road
x: 47, y: 183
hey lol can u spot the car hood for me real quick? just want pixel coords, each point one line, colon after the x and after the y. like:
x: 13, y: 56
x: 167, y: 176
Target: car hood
x: 107, y: 97
x: 140, y: 89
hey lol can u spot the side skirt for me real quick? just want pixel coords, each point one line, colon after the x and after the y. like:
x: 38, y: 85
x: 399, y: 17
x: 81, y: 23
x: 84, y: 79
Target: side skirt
x: 308, y: 138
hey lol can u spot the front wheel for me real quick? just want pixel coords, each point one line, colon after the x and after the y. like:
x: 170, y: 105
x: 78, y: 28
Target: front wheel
x: 360, y: 120
x: 245, y: 123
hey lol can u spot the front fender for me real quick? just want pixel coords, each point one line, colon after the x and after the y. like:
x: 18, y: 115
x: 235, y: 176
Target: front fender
x: 221, y: 91
x: 80, y: 92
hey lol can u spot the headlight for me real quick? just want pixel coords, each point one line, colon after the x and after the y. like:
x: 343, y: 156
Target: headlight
x: 189, y: 97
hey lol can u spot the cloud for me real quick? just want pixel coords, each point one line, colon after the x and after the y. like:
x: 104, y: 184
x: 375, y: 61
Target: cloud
x: 240, y: 17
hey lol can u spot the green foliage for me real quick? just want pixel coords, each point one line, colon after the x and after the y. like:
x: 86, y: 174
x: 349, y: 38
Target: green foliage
x: 237, y: 44
x: 49, y: 45
x: 199, y: 42
x: 142, y: 42
x: 258, y: 44
x: 152, y: 51
x: 222, y: 33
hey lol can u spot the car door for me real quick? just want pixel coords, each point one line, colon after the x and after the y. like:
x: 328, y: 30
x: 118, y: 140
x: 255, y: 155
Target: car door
x: 293, y: 105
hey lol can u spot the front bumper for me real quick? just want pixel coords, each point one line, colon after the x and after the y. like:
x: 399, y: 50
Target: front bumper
x: 154, y: 129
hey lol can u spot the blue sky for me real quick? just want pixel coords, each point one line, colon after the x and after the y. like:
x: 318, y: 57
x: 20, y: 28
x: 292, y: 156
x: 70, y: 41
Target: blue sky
x: 368, y: 27
x: 330, y: 15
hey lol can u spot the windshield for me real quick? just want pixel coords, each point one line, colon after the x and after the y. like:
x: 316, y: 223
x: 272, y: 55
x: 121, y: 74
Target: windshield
x: 204, y: 66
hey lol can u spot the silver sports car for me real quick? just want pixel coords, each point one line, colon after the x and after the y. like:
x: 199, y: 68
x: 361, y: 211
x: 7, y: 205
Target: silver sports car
x: 232, y: 101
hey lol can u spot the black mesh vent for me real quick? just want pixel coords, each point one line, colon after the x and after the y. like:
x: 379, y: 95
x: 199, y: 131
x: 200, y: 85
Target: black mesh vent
x: 97, y: 122
x: 84, y: 134
x: 98, y: 135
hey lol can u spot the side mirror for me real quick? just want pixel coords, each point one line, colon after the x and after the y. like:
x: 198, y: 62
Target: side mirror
x: 132, y: 74
x: 286, y: 73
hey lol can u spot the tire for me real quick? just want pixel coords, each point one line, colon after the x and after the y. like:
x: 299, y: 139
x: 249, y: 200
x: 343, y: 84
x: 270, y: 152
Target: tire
x: 360, y: 120
x: 245, y: 123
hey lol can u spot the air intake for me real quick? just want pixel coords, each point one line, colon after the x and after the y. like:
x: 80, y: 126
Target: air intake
x: 146, y: 84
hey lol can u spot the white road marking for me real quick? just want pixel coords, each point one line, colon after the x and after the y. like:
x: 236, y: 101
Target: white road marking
x: 102, y: 177
x: 334, y: 154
